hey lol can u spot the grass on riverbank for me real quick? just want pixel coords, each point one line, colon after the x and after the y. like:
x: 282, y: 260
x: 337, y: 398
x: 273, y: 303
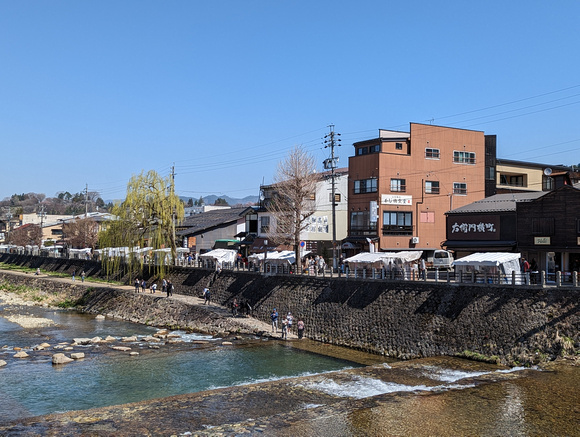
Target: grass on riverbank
x: 24, y: 269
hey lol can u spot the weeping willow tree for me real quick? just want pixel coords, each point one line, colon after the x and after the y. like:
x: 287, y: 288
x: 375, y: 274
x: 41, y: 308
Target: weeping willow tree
x: 146, y: 218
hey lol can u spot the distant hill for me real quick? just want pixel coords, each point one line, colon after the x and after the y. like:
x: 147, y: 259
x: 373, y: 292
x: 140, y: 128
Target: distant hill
x: 210, y: 200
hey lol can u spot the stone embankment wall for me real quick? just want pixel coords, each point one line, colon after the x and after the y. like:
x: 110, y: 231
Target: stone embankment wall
x: 400, y: 319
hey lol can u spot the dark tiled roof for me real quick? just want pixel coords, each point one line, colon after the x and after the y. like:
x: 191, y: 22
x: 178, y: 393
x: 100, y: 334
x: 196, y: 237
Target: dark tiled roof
x: 200, y: 222
x: 498, y: 203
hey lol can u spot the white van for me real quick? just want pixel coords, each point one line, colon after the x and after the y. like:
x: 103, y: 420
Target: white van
x: 442, y: 259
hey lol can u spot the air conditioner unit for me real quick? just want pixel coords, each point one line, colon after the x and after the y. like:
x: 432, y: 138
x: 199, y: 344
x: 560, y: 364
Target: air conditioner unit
x: 415, y: 240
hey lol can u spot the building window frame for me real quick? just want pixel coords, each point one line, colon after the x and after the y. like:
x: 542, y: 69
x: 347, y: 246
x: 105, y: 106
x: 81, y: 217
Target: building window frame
x: 398, y: 185
x: 337, y: 197
x: 362, y: 151
x: 464, y: 157
x: 432, y: 187
x: 460, y: 188
x: 427, y: 217
x: 398, y: 146
x: 431, y: 153
x: 363, y: 186
x: 264, y: 224
x: 397, y: 222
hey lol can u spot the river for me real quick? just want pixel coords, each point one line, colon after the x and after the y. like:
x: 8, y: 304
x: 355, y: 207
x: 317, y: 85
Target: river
x: 325, y: 390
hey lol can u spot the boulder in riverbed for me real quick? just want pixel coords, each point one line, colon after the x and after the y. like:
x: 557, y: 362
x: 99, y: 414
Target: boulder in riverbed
x: 77, y: 356
x: 2, y: 363
x: 61, y: 359
x: 20, y: 354
x: 81, y: 340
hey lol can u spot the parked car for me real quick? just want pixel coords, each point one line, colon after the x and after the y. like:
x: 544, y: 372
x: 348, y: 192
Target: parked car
x: 442, y: 259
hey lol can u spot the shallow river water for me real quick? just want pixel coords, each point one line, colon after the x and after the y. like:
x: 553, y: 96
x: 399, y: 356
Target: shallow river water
x: 438, y: 396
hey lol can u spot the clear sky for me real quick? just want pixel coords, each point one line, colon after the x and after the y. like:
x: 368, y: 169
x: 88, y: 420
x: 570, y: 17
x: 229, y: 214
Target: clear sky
x: 93, y: 92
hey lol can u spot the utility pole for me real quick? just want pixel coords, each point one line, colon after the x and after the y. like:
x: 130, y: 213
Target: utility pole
x: 172, y: 187
x: 330, y: 163
x: 86, y: 200
x: 41, y: 213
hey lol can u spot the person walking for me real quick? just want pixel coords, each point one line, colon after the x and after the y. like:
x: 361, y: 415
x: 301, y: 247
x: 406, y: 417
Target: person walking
x: 206, y: 296
x: 274, y: 318
x: 285, y: 330
x: 137, y: 285
x: 164, y: 285
x: 153, y: 288
x: 235, y: 307
x: 169, y: 288
x: 290, y: 320
x: 83, y: 276
x: 300, y: 326
x: 73, y: 276
x: 144, y: 285
x: 422, y: 268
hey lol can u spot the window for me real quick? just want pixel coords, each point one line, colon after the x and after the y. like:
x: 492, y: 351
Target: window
x: 431, y: 187
x: 398, y: 185
x: 512, y: 180
x: 398, y: 146
x: 547, y: 183
x: 312, y: 196
x: 360, y: 221
x: 375, y: 149
x: 543, y: 226
x: 427, y: 217
x: 464, y: 157
x: 336, y: 197
x: 432, y: 153
x: 490, y: 173
x: 397, y: 223
x: 252, y: 223
x: 459, y: 188
x: 362, y: 150
x: 365, y: 186
x: 264, y: 224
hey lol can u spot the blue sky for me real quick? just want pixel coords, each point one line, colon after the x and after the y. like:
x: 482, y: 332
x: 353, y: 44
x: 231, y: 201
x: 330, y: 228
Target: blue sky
x: 94, y: 92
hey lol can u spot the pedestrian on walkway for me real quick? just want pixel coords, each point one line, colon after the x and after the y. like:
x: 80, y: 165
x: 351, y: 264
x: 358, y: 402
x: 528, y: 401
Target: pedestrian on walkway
x: 206, y: 296
x: 83, y: 276
x: 274, y: 317
x: 169, y: 288
x: 74, y: 274
x: 144, y: 285
x: 235, y: 307
x: 285, y: 330
x: 300, y: 326
x: 290, y: 320
x: 164, y: 285
x: 153, y: 288
x: 137, y: 285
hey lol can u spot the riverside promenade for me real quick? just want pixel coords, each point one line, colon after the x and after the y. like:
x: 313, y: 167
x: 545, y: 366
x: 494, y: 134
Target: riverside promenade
x: 218, y: 313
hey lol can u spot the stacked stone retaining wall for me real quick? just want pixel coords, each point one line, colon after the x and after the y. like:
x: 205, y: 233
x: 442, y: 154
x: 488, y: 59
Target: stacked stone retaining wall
x: 397, y: 318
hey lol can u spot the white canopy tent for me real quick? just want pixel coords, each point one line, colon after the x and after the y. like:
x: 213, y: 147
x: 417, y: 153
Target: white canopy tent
x: 282, y: 257
x: 220, y: 256
x: 80, y: 253
x: 506, y: 262
x: 490, y: 263
x: 383, y: 259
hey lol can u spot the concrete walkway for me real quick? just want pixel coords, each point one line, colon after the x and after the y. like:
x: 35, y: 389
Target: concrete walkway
x: 248, y: 323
